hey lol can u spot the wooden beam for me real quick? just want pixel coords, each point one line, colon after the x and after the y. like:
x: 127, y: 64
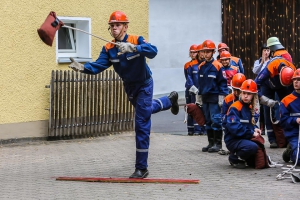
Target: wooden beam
x: 129, y: 180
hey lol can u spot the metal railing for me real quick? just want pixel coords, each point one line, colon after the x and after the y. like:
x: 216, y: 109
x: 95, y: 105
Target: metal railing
x: 83, y: 105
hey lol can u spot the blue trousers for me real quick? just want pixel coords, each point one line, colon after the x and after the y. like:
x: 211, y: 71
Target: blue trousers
x: 140, y: 96
x: 241, y: 148
x: 192, y: 125
x: 294, y: 144
x: 276, y: 95
x: 211, y: 110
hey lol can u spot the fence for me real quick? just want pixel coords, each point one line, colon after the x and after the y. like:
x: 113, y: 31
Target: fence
x: 83, y: 105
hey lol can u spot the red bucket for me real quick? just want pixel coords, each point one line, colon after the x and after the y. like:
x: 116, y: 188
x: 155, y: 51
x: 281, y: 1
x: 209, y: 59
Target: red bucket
x: 49, y: 27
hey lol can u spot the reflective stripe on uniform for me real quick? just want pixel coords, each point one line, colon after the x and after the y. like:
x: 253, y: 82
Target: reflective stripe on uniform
x: 132, y: 57
x: 294, y: 114
x: 269, y: 130
x: 141, y: 150
x: 244, y: 120
x: 114, y: 60
x: 161, y: 104
x: 212, y: 76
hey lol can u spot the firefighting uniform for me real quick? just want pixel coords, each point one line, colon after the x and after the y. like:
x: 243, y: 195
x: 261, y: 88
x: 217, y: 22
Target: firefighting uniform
x: 212, y: 83
x: 239, y: 131
x: 192, y: 126
x: 268, y: 83
x: 228, y: 101
x: 138, y: 84
x: 192, y: 79
x: 230, y: 72
x: 289, y: 112
x: 235, y: 61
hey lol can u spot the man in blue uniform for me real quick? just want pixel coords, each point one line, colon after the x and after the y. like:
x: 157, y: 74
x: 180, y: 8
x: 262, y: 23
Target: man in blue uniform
x: 128, y: 58
x: 290, y: 120
x: 212, y: 90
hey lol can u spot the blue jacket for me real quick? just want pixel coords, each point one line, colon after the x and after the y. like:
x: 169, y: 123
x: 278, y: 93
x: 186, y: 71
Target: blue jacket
x: 212, y: 81
x: 270, y: 74
x: 192, y: 75
x: 289, y: 112
x: 238, y: 122
x: 131, y: 67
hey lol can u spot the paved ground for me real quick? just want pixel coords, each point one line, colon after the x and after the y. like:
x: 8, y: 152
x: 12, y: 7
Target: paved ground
x: 27, y: 170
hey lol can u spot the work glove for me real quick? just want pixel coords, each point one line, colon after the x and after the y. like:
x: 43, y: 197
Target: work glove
x: 221, y: 100
x: 76, y: 66
x: 193, y: 89
x: 199, y: 101
x: 125, y: 47
x: 267, y: 102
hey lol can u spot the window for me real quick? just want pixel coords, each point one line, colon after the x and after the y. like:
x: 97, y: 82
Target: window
x: 73, y: 43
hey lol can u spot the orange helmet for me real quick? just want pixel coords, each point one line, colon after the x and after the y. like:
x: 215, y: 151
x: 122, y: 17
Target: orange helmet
x: 285, y: 76
x: 296, y: 74
x: 237, y: 80
x: 199, y: 47
x: 208, y: 45
x: 225, y: 55
x: 223, y: 46
x: 118, y: 16
x: 249, y: 86
x: 193, y: 48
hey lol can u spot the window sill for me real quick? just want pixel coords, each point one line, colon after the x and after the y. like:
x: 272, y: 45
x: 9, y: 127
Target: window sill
x: 67, y: 60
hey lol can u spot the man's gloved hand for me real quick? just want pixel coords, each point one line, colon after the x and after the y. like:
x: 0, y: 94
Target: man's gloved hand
x: 194, y: 90
x: 125, y: 47
x: 76, y: 66
x: 221, y: 100
x: 267, y: 102
x: 199, y: 101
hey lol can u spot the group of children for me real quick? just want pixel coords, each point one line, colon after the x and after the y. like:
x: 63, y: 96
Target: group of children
x: 231, y: 103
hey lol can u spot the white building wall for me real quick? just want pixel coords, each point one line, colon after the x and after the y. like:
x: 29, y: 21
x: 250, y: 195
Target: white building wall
x: 174, y: 25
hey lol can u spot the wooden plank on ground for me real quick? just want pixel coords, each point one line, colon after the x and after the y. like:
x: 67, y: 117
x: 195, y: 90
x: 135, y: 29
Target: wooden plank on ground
x: 129, y: 180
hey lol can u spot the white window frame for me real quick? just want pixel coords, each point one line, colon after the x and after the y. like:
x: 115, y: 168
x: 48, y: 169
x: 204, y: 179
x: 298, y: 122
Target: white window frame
x: 82, y: 51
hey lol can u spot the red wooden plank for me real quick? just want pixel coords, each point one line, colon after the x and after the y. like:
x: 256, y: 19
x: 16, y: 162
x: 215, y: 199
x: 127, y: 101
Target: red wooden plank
x: 129, y: 180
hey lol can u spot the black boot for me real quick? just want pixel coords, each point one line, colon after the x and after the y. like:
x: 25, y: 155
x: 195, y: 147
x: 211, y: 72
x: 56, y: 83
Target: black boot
x: 217, y: 142
x: 210, y: 137
x: 286, y: 155
x: 173, y: 96
x: 140, y: 173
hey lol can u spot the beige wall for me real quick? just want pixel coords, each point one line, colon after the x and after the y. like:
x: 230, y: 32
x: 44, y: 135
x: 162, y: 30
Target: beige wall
x: 26, y: 62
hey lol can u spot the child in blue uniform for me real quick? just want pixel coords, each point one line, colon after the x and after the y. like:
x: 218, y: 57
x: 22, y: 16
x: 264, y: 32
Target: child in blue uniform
x: 290, y: 120
x: 212, y: 90
x: 240, y: 126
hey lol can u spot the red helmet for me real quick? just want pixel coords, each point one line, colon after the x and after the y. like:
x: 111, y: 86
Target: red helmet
x: 193, y: 48
x: 237, y: 80
x: 199, y: 47
x: 118, y: 16
x: 285, y: 76
x: 223, y: 46
x: 225, y: 55
x: 296, y: 74
x: 249, y: 86
x: 208, y: 45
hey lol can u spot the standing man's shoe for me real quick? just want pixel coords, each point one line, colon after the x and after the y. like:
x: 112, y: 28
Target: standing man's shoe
x: 173, y: 96
x: 140, y: 173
